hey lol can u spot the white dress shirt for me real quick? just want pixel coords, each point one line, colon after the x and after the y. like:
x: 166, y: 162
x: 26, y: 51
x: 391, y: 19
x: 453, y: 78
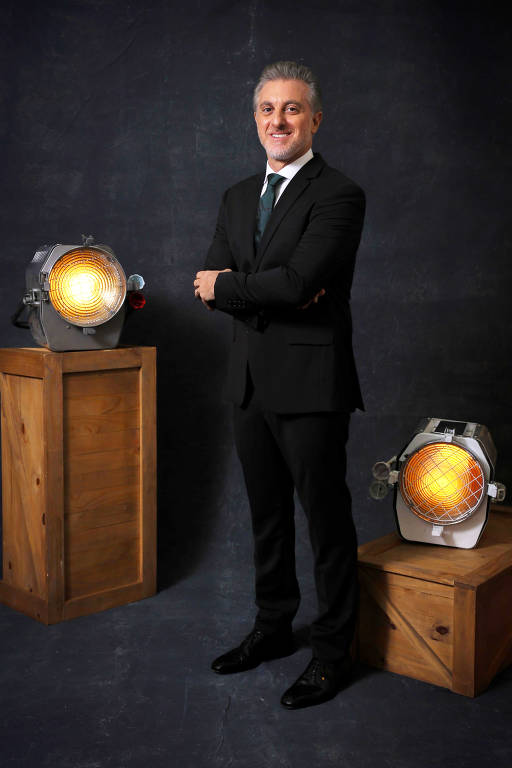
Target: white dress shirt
x: 288, y: 171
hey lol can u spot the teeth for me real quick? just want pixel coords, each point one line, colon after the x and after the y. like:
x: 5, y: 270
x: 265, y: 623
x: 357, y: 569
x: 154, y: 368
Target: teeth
x: 279, y: 135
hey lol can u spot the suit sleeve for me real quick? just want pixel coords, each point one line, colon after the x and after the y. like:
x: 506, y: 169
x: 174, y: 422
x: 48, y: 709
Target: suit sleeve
x: 327, y: 246
x: 219, y: 254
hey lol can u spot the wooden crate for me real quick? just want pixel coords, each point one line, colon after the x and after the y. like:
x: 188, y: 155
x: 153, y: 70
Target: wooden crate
x: 78, y: 479
x: 439, y: 614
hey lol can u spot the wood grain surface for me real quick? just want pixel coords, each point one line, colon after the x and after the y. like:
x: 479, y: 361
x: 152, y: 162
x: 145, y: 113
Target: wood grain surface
x: 79, y: 479
x: 438, y: 614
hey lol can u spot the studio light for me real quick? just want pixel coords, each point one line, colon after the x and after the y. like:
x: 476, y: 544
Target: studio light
x: 443, y: 481
x: 76, y: 297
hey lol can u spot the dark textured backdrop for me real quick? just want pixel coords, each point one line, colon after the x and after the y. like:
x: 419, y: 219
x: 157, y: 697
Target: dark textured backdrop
x: 127, y: 120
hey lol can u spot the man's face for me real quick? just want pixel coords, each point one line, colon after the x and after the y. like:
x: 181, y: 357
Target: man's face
x: 286, y: 125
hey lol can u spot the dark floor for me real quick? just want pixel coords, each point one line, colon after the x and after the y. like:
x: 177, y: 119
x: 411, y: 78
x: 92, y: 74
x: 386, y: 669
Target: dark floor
x: 132, y: 687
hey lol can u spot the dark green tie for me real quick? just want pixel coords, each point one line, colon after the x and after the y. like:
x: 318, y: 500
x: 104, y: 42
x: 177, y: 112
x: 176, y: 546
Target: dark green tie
x: 266, y: 205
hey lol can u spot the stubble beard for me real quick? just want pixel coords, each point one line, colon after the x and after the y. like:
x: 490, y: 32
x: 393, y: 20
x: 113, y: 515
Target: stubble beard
x: 284, y: 154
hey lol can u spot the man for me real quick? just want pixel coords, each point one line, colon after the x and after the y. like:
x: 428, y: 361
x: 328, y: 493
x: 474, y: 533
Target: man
x: 281, y: 262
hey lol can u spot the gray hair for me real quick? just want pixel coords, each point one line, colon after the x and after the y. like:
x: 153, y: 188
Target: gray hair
x: 290, y: 70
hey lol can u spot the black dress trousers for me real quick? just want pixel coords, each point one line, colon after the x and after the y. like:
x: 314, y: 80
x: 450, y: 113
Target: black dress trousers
x: 280, y: 452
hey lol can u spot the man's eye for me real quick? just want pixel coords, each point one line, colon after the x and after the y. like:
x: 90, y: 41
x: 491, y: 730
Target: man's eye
x: 266, y: 110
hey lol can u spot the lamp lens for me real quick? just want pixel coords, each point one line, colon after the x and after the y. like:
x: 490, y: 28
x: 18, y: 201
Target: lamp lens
x: 442, y: 483
x: 87, y: 286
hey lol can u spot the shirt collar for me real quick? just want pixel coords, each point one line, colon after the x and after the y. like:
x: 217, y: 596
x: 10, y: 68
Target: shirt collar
x: 289, y: 171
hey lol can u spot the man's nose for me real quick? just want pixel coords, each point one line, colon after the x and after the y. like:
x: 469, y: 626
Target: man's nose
x: 278, y: 120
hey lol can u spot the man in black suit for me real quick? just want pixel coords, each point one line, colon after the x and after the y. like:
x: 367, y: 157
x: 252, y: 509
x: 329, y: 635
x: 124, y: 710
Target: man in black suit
x: 281, y: 262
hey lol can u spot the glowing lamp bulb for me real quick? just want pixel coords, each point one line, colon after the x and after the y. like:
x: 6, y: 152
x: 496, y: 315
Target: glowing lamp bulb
x: 442, y: 483
x: 81, y: 288
x: 87, y: 286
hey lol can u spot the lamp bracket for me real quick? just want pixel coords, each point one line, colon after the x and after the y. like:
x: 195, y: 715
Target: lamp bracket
x: 34, y: 297
x: 497, y: 491
x: 393, y: 477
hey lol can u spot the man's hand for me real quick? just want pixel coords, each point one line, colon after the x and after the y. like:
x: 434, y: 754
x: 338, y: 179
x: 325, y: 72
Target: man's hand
x: 314, y: 300
x: 204, y: 285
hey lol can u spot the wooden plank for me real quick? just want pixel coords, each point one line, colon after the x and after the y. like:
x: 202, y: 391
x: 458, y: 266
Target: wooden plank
x: 493, y: 646
x: 494, y: 549
x: 54, y: 487
x: 402, y: 609
x: 411, y: 583
x: 102, y: 558
x: 397, y: 561
x: 102, y: 406
x: 98, y: 425
x: 464, y: 661
x: 490, y: 570
x: 102, y: 359
x: 383, y: 645
x: 25, y: 602
x: 102, y: 474
x: 123, y: 440
x: 435, y: 563
x: 106, y: 479
x: 103, y: 460
x: 23, y: 495
x: 445, y: 564
x: 23, y: 362
x: 105, y: 514
x: 91, y: 497
x: 105, y: 382
x: 378, y: 546
x: 102, y: 601
x: 148, y: 509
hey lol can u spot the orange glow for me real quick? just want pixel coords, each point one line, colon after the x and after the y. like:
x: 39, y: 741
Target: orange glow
x: 442, y: 483
x: 87, y: 286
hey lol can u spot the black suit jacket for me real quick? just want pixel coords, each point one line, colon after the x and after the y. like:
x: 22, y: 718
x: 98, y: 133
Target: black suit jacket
x: 300, y: 360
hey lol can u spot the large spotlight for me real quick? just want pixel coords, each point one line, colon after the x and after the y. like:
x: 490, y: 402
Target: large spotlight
x: 76, y: 297
x: 443, y: 483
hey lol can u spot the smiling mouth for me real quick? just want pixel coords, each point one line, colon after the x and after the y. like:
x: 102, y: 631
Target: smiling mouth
x: 279, y: 135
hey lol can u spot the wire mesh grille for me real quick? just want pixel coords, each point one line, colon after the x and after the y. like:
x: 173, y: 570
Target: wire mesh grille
x: 442, y: 483
x: 87, y: 286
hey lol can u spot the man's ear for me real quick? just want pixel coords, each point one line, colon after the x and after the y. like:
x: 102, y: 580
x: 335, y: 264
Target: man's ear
x: 316, y: 119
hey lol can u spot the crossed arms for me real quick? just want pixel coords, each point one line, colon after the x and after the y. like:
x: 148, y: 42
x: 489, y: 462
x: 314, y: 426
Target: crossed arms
x: 323, y: 256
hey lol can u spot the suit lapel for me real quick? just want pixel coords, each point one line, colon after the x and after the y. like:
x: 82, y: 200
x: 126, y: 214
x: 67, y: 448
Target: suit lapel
x: 293, y: 191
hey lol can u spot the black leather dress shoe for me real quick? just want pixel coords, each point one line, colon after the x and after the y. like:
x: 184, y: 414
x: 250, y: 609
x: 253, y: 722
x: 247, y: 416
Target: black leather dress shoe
x: 256, y: 647
x: 320, y: 681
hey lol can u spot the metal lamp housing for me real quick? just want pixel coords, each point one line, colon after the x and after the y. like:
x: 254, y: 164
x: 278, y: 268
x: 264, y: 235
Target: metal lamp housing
x: 54, y: 327
x: 440, y: 525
